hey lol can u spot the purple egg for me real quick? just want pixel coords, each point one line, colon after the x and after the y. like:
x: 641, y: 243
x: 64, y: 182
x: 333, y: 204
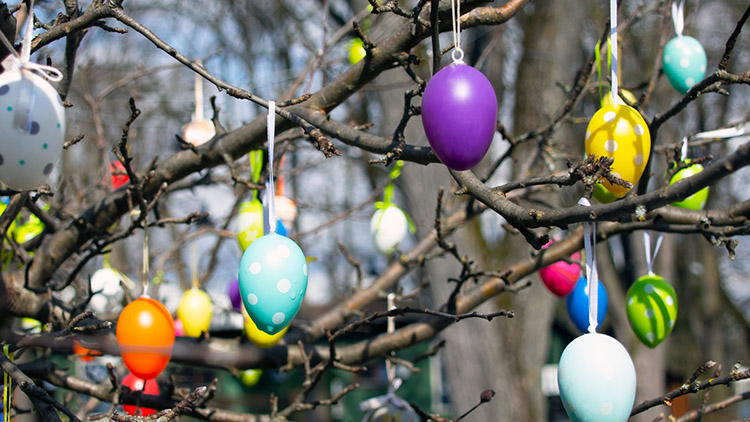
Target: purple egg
x: 234, y: 294
x: 459, y: 113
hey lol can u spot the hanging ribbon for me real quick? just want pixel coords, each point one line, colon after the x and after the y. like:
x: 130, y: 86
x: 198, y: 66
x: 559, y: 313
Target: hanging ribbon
x: 198, y: 88
x: 592, y: 275
x: 256, y: 167
x: 390, y: 370
x: 145, y: 269
x: 613, y: 48
x: 678, y: 17
x: 650, y: 258
x: 598, y: 56
x: 194, y: 266
x: 7, y: 386
x: 458, y: 53
x: 21, y: 61
x: 269, y: 223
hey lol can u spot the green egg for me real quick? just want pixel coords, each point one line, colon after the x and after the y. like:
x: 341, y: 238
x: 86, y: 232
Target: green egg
x: 696, y: 201
x: 652, y: 309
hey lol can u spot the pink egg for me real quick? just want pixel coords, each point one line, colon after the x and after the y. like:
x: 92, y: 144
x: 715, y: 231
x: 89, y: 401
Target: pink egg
x: 561, y: 277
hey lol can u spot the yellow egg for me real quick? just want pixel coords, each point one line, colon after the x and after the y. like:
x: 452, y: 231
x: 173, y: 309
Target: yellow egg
x: 619, y: 131
x: 195, y: 312
x: 258, y: 337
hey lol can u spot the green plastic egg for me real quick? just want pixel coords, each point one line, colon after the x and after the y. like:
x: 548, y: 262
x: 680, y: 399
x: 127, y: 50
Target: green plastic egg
x: 696, y: 201
x: 651, y: 309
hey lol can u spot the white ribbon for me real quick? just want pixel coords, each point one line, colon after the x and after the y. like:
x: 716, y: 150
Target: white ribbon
x: 390, y: 397
x: 678, y: 17
x: 684, y: 148
x: 650, y: 258
x: 458, y: 53
x: 592, y: 275
x: 21, y: 61
x: 269, y: 194
x: 613, y: 50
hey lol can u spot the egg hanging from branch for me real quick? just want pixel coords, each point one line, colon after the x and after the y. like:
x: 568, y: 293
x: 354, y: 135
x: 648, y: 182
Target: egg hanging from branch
x: 145, y: 335
x: 273, y: 281
x: 684, y: 62
x: 618, y: 131
x: 459, y: 114
x: 652, y: 309
x: 32, y: 120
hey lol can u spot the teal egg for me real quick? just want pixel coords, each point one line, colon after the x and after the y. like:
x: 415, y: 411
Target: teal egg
x: 651, y: 309
x: 273, y: 281
x: 684, y: 62
x: 597, y: 381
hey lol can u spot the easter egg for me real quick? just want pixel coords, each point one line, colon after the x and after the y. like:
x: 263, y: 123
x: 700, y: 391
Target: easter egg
x: 259, y: 338
x: 234, y: 294
x: 577, y: 303
x: 32, y: 119
x: 198, y: 132
x: 250, y: 377
x: 651, y: 309
x: 357, y: 51
x: 602, y: 194
x: 619, y: 132
x: 31, y: 325
x: 83, y: 353
x: 106, y: 281
x: 280, y: 228
x: 388, y: 228
x: 29, y: 230
x: 195, y: 312
x: 179, y: 329
x: 273, y: 281
x: 624, y: 94
x: 119, y: 175
x: 597, y: 381
x: 136, y: 384
x: 696, y: 201
x: 249, y: 222
x: 459, y: 114
x: 145, y: 334
x: 561, y: 277
x: 286, y: 208
x: 684, y: 62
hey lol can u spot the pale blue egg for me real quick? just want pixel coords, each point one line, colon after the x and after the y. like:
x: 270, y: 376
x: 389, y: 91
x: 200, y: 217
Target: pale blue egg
x: 596, y: 377
x: 577, y: 303
x: 273, y: 281
x: 684, y: 62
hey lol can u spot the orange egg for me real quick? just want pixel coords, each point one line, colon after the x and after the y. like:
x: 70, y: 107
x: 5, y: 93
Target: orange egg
x: 145, y: 334
x: 86, y: 355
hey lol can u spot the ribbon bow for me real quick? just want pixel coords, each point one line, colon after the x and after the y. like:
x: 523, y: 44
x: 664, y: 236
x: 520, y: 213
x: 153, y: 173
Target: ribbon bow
x: 21, y: 61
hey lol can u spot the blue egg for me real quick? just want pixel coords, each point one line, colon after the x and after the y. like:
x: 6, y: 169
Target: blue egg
x: 684, y: 62
x: 577, y: 303
x: 273, y: 281
x: 597, y: 380
x: 280, y: 229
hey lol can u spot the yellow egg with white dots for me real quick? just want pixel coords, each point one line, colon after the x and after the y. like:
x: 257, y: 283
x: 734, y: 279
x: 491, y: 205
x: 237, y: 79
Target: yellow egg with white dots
x: 619, y: 132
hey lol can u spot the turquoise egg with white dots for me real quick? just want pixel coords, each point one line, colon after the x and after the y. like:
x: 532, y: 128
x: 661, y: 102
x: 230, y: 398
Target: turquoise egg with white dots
x: 32, y: 123
x: 651, y: 305
x: 684, y: 62
x: 597, y: 380
x: 273, y: 281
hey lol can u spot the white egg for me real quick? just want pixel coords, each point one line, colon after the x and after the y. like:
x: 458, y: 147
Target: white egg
x: 388, y: 228
x: 198, y: 132
x: 107, y: 281
x: 32, y: 120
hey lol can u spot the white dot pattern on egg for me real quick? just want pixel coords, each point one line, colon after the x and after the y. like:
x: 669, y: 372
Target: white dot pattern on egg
x: 33, y: 129
x: 269, y: 267
x: 651, y: 309
x: 684, y: 62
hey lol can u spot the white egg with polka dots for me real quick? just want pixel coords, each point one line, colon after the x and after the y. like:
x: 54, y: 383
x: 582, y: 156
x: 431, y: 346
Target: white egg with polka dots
x: 596, y: 377
x: 32, y: 122
x: 273, y: 281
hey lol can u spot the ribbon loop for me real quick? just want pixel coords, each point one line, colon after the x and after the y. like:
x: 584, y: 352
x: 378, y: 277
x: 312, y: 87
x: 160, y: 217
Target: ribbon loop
x: 458, y: 54
x: 651, y: 258
x: 678, y: 17
x: 22, y: 61
x: 271, y: 132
